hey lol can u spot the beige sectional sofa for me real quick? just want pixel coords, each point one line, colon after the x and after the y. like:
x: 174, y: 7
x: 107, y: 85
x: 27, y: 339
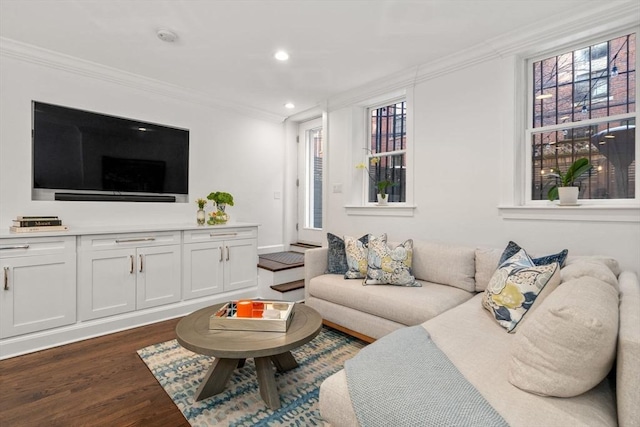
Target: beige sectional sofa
x: 448, y: 306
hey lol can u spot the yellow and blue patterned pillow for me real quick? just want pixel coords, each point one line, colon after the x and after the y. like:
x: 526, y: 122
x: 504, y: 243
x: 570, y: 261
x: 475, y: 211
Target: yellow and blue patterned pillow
x: 356, y: 252
x: 513, y: 248
x: 388, y: 266
x: 337, y: 258
x: 515, y: 286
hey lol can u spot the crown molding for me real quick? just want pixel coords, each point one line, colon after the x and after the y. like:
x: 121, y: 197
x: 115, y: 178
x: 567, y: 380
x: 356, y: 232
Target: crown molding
x: 59, y: 61
x: 536, y: 37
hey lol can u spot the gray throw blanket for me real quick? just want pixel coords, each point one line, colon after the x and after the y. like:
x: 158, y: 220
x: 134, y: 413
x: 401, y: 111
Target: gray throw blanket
x: 406, y: 380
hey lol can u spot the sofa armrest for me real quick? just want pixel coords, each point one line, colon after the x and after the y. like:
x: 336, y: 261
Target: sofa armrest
x: 628, y: 359
x: 315, y: 264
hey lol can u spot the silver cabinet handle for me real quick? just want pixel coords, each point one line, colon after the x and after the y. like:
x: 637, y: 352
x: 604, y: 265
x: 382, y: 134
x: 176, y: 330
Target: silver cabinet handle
x: 221, y: 252
x: 140, y: 257
x: 141, y: 239
x: 130, y: 264
x: 14, y: 247
x: 6, y: 278
x: 222, y: 234
x: 227, y: 253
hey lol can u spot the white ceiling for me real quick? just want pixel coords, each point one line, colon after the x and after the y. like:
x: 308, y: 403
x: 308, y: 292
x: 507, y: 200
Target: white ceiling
x: 225, y: 48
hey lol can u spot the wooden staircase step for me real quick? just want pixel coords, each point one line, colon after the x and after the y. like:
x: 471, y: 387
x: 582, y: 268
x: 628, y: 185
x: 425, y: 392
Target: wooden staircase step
x: 291, y: 286
x: 302, y: 247
x: 275, y: 265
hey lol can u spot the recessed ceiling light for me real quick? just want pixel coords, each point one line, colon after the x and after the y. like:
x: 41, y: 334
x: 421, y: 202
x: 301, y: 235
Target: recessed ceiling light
x: 141, y: 129
x: 281, y: 55
x: 289, y: 105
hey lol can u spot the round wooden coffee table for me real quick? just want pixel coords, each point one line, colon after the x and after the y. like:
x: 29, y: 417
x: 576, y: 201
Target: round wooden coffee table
x: 231, y: 348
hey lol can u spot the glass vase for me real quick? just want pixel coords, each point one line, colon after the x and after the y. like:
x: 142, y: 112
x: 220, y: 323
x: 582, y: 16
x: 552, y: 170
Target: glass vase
x: 201, y: 217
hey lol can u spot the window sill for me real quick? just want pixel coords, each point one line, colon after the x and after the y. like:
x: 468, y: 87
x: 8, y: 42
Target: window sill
x: 375, y: 210
x: 598, y: 213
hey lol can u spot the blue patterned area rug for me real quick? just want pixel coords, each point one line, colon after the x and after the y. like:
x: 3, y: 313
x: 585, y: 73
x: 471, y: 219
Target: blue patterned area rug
x: 180, y: 371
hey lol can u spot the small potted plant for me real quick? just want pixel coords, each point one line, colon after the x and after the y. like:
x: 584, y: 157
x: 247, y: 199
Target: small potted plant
x: 382, y: 185
x: 221, y: 199
x: 200, y: 216
x: 565, y: 188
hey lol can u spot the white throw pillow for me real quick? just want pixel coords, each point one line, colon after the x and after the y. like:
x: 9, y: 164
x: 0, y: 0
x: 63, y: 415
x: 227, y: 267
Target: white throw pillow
x: 591, y: 267
x: 568, y: 345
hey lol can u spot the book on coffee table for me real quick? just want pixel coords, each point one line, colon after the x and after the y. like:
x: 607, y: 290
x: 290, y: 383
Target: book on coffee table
x: 253, y: 315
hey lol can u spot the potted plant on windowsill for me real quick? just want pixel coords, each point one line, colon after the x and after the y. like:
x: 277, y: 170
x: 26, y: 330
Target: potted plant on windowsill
x: 565, y: 188
x: 382, y: 185
x: 221, y: 199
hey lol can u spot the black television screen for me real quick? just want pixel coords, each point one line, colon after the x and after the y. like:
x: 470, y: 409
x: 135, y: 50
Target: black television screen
x: 80, y: 155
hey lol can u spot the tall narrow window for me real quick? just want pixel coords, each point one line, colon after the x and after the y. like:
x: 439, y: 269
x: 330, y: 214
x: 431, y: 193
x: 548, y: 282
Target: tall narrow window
x: 583, y: 105
x: 386, y: 153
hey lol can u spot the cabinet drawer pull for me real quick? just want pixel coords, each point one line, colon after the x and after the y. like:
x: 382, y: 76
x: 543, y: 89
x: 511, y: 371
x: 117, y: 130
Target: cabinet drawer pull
x: 130, y: 264
x: 140, y: 262
x: 141, y: 239
x: 14, y: 247
x: 6, y: 278
x: 222, y: 234
x: 221, y: 252
x: 227, y: 253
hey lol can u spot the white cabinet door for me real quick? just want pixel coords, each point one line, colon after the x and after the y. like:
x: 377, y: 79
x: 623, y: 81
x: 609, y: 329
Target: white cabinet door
x: 241, y: 264
x: 38, y: 292
x: 106, y: 283
x: 158, y: 276
x: 202, y: 269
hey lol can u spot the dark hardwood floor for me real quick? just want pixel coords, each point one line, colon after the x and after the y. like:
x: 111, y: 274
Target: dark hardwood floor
x: 97, y: 382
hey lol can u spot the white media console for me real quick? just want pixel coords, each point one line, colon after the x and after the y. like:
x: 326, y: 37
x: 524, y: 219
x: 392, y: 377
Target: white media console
x: 61, y: 287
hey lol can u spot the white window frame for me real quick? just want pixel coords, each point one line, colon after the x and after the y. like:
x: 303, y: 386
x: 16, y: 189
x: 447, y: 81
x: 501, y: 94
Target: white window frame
x: 522, y: 205
x: 361, y: 141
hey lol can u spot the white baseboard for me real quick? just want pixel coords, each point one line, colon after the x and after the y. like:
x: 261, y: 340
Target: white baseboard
x: 270, y: 249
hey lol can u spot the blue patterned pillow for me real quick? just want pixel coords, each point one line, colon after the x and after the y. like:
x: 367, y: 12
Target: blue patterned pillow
x: 357, y: 256
x: 337, y: 258
x: 516, y: 285
x: 387, y: 266
x: 513, y: 248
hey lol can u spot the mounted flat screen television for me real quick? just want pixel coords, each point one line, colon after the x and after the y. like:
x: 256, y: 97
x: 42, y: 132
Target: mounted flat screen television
x: 80, y: 155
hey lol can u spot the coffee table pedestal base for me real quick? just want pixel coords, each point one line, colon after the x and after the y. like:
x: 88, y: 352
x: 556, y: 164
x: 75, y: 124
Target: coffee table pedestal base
x: 220, y: 371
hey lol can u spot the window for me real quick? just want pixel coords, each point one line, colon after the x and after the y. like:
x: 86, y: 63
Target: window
x: 583, y: 104
x: 386, y: 153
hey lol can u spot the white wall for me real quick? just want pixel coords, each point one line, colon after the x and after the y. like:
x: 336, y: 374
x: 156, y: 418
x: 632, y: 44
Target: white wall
x: 463, y: 138
x: 228, y: 151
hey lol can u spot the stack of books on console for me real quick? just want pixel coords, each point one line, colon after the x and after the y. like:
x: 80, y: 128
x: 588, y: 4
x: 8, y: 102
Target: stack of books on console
x: 36, y: 224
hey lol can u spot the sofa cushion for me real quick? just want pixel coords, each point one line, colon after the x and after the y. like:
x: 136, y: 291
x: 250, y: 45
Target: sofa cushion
x: 480, y: 349
x: 405, y: 305
x: 568, y: 345
x: 513, y: 248
x: 337, y: 257
x: 387, y: 266
x: 487, y: 261
x: 516, y: 286
x: 445, y: 264
x: 356, y: 253
x: 608, y: 261
x: 592, y: 267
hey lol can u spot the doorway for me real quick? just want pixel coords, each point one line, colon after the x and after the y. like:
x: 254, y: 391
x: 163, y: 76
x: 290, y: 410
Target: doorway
x: 310, y: 182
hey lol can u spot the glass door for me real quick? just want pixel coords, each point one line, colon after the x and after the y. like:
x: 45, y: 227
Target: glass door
x: 310, y: 167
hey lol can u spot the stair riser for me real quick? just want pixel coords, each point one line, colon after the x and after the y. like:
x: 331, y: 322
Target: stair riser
x: 279, y: 277
x: 270, y: 294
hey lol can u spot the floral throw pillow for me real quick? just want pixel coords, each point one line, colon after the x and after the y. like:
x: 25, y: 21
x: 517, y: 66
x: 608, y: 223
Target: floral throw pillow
x: 515, y: 286
x: 337, y: 258
x: 513, y: 248
x: 356, y: 252
x: 388, y: 266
